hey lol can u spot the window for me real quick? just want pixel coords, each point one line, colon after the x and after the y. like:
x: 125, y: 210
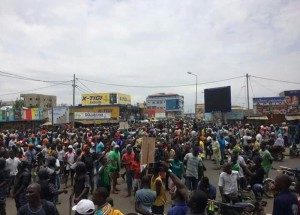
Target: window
x: 30, y: 99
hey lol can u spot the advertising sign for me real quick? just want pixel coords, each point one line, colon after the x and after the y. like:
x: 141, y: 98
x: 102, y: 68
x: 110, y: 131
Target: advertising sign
x: 148, y: 150
x: 95, y: 99
x: 292, y: 98
x: 91, y: 115
x: 60, y: 115
x: 124, y: 99
x: 172, y: 104
x: 269, y: 105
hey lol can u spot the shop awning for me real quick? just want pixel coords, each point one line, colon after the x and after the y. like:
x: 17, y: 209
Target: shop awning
x: 257, y: 117
x: 291, y: 118
x: 47, y: 124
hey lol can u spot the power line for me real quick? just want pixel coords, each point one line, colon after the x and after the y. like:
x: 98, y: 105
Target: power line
x: 276, y: 80
x: 82, y: 89
x: 251, y: 87
x: 85, y: 86
x: 21, y: 77
x: 40, y: 88
x: 162, y: 86
x: 264, y: 86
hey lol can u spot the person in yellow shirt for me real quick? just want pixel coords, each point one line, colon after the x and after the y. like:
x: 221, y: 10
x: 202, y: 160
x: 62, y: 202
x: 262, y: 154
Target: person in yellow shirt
x: 157, y: 186
x: 100, y: 197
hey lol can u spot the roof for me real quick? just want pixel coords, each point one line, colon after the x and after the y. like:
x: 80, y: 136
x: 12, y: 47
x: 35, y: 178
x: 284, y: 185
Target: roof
x: 257, y: 117
x: 291, y: 118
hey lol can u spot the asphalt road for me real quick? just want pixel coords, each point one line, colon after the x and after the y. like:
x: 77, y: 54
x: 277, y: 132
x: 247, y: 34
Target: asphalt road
x: 126, y: 205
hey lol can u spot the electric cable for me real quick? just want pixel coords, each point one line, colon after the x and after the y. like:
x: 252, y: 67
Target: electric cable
x: 40, y: 88
x: 162, y: 86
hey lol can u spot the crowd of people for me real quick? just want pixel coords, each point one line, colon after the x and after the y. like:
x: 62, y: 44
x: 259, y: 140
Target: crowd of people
x: 37, y: 166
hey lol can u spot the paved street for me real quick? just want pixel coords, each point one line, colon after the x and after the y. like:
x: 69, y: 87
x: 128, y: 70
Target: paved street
x: 126, y: 205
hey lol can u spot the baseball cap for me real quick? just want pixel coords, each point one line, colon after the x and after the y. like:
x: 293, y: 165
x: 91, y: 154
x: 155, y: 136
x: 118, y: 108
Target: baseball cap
x: 84, y: 207
x: 70, y: 147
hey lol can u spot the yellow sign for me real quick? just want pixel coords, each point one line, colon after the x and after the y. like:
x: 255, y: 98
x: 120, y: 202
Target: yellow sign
x: 113, y: 111
x: 124, y: 99
x: 95, y: 99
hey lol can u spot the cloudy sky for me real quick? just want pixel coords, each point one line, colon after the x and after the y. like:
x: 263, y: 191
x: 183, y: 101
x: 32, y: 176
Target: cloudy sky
x: 149, y: 43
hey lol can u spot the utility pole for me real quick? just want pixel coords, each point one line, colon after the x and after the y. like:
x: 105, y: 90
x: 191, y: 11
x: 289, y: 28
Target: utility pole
x: 73, y: 106
x: 248, y: 101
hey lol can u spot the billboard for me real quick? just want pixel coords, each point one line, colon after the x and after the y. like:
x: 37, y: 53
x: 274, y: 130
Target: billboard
x: 270, y: 105
x: 60, y: 115
x: 124, y: 99
x: 172, y: 104
x: 105, y: 99
x: 91, y: 115
x: 217, y: 99
x: 95, y: 99
x: 292, y: 98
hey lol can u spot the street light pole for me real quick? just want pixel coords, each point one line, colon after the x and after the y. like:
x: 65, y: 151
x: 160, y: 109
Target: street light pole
x: 196, y: 99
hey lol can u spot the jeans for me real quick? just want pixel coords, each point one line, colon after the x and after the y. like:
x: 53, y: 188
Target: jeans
x: 129, y: 179
x: 191, y: 183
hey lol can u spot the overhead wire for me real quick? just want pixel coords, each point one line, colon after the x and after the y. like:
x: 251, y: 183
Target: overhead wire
x: 21, y: 77
x: 40, y: 88
x: 251, y: 87
x: 85, y: 85
x: 264, y: 86
x: 276, y: 80
x: 161, y: 86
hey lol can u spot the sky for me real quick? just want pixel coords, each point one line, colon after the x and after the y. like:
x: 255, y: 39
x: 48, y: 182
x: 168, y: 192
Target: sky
x: 149, y: 43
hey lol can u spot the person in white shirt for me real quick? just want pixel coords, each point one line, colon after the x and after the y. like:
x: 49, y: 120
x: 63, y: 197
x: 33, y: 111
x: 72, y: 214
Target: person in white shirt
x: 228, y: 184
x: 12, y: 165
x: 70, y: 161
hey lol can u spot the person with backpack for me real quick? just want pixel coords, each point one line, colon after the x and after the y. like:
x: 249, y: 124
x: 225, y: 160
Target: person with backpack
x: 35, y: 204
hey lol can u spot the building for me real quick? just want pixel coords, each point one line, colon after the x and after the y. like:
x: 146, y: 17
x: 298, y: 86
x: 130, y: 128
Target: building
x: 170, y: 105
x: 38, y: 100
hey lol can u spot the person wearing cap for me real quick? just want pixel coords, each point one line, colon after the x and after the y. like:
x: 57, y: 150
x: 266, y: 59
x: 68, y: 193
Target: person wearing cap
x: 114, y: 164
x: 69, y: 160
x: 84, y: 207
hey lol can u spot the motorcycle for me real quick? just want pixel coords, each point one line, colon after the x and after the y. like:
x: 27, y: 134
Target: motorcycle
x: 295, y: 150
x: 277, y: 152
x: 240, y: 208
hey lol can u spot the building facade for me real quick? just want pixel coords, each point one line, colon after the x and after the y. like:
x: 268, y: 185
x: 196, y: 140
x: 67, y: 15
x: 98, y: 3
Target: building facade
x: 171, y: 104
x: 38, y: 100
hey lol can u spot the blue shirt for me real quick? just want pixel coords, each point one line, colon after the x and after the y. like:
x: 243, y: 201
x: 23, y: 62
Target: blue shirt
x: 99, y: 148
x: 285, y: 203
x: 179, y: 208
x: 222, y: 144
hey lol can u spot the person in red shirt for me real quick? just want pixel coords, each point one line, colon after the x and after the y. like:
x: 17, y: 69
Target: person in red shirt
x: 127, y: 160
x: 136, y: 166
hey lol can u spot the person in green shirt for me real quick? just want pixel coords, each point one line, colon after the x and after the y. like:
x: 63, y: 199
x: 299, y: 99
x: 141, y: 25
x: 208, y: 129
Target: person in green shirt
x: 176, y: 166
x: 104, y: 174
x: 267, y: 158
x: 114, y: 165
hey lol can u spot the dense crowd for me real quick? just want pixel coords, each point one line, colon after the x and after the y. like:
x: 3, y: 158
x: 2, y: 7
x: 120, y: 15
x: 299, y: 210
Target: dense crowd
x: 36, y: 166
